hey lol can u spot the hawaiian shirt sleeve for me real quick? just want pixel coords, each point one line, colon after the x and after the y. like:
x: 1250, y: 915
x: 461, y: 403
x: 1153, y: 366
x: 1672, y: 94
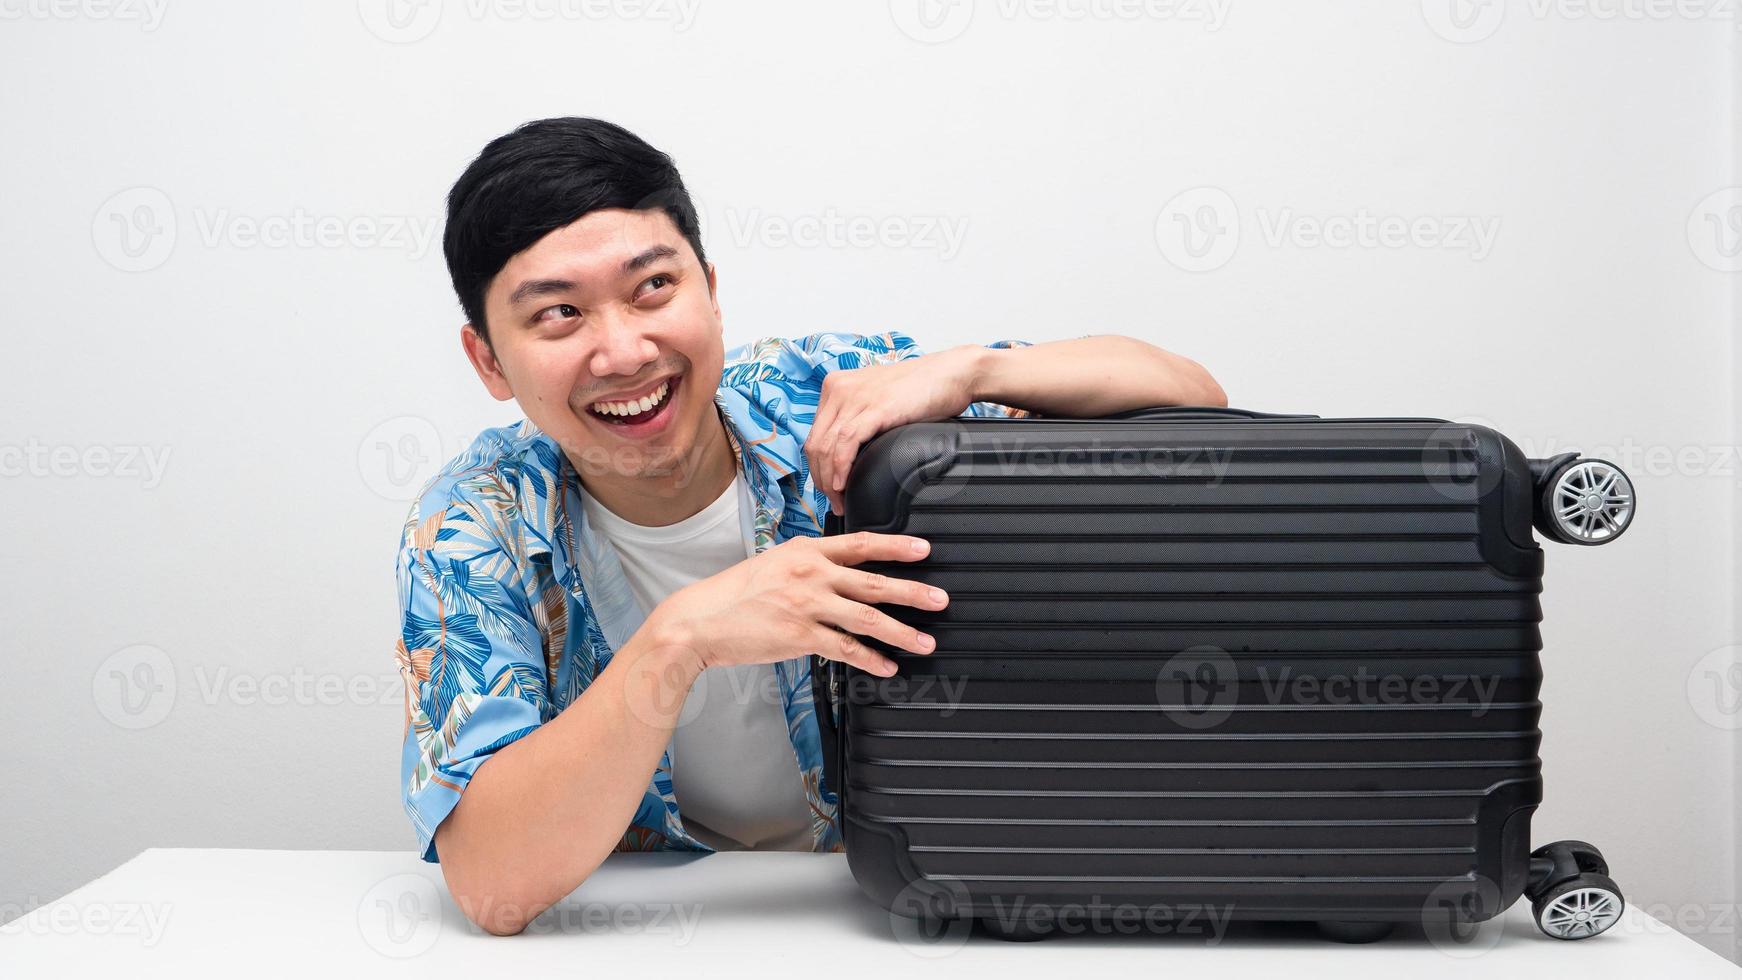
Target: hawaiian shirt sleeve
x: 827, y: 352
x: 470, y: 649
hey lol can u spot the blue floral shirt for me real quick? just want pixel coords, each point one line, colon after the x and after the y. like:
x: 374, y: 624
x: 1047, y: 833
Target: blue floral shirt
x: 510, y: 606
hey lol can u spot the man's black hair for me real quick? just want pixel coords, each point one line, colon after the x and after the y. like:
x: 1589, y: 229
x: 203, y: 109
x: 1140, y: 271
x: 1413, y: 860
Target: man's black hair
x: 542, y: 176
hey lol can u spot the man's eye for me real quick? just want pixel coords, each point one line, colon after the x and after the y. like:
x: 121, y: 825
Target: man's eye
x: 655, y: 282
x: 561, y: 311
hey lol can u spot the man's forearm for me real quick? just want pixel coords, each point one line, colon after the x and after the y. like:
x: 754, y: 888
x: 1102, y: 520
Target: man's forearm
x: 577, y: 780
x: 1091, y: 376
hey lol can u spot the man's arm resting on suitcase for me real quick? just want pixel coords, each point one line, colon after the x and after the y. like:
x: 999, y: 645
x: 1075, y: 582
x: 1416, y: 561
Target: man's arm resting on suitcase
x: 1084, y: 377
x: 1090, y: 376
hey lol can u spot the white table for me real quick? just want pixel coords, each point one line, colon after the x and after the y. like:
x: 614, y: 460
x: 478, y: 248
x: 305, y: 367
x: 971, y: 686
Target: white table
x: 330, y: 914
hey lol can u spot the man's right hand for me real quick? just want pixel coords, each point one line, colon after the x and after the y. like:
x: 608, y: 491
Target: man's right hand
x: 787, y: 601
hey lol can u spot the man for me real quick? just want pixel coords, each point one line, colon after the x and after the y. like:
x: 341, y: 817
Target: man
x: 608, y: 608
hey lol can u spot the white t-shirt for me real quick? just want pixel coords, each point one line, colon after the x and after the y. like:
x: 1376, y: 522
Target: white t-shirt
x: 733, y: 769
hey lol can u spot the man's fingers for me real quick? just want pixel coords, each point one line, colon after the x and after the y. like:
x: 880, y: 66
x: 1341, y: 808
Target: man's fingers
x: 863, y: 546
x: 838, y: 645
x: 875, y: 587
x: 843, y: 446
x: 828, y: 404
x: 820, y: 474
x: 822, y: 434
x: 869, y: 621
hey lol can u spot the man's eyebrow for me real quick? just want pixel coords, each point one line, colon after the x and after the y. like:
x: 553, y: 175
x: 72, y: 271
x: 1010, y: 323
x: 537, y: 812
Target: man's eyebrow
x: 538, y: 287
x: 648, y: 257
x: 532, y: 288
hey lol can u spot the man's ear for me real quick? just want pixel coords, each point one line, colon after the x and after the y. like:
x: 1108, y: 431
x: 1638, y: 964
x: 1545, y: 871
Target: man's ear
x: 713, y: 291
x: 484, y: 362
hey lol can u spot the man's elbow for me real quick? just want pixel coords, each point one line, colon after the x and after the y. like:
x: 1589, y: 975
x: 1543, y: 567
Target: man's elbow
x: 498, y: 906
x: 500, y: 925
x: 1214, y: 396
x: 503, y: 926
x: 495, y: 899
x: 1188, y: 382
x: 1201, y: 386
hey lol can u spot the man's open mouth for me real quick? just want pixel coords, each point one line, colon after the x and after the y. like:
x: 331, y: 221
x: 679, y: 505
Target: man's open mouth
x: 640, y: 411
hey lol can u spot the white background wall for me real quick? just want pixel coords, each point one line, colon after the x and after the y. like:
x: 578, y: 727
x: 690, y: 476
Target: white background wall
x: 300, y: 391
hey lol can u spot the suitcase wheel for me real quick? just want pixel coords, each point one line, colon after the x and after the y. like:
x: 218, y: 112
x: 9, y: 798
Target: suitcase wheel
x: 1579, y: 908
x: 1584, y: 501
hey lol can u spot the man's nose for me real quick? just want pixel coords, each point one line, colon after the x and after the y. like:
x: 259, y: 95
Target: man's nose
x: 623, y: 347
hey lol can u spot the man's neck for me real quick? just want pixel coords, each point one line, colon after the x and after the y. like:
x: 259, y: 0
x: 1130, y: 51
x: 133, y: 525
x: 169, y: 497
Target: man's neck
x: 695, y: 481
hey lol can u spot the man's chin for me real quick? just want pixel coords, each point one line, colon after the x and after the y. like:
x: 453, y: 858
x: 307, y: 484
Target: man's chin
x: 595, y: 455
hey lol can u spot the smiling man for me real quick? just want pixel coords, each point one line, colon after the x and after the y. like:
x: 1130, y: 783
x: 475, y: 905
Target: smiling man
x: 607, y: 609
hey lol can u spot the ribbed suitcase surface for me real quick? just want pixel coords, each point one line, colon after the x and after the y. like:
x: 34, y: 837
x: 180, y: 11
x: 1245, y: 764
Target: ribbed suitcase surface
x: 1288, y: 665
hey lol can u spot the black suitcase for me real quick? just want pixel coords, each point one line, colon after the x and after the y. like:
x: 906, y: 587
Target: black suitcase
x: 1279, y: 666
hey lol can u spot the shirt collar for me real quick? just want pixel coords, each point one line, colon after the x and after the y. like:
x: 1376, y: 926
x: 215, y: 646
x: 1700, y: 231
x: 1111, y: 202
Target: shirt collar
x: 774, y: 446
x: 771, y: 459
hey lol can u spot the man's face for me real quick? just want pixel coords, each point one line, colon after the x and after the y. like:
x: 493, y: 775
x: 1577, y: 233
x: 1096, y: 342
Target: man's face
x: 612, y: 308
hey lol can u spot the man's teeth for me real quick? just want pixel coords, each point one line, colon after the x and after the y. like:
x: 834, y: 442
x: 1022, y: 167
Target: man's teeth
x: 645, y: 404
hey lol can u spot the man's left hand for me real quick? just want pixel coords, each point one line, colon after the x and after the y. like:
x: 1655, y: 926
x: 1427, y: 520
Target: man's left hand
x: 857, y: 405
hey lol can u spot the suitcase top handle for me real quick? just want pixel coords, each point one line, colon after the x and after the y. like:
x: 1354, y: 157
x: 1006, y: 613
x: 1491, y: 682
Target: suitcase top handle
x: 1196, y: 412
